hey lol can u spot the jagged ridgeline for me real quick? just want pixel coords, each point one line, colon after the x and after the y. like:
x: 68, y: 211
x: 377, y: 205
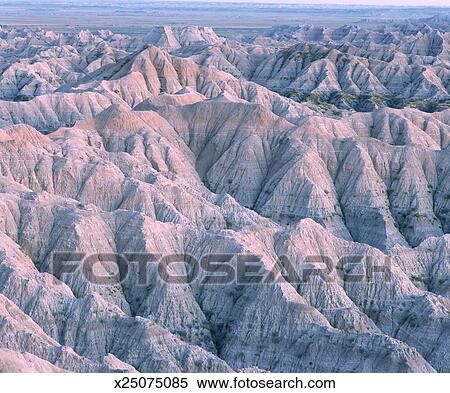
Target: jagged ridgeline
x: 290, y: 144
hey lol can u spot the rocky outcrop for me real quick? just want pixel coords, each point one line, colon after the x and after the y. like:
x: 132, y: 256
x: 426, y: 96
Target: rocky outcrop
x: 343, y: 220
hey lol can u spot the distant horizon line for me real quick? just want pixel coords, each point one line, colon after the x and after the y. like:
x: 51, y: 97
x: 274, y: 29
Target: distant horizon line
x: 343, y: 3
x: 250, y: 2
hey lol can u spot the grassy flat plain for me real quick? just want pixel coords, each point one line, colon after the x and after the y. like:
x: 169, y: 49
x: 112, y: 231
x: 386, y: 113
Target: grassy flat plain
x: 136, y: 17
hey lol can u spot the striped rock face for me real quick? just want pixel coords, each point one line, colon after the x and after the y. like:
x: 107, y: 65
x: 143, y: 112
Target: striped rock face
x: 184, y: 202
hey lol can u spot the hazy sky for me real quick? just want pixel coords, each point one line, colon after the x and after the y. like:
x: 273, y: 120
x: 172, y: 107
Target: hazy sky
x: 442, y: 3
x: 439, y: 3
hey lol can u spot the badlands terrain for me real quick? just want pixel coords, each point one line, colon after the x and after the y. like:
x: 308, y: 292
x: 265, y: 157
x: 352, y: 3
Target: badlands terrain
x: 307, y: 144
